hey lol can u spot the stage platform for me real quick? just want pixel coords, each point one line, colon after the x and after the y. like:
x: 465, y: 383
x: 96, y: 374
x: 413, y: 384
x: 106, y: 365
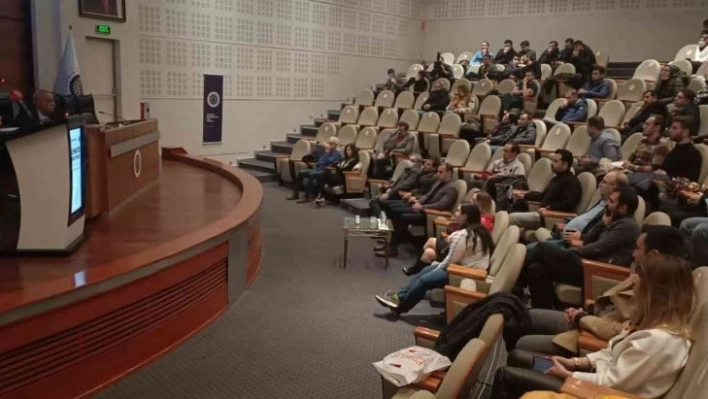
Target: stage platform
x: 153, y: 272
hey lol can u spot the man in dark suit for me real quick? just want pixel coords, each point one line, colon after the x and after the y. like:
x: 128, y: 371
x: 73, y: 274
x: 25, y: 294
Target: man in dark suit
x: 41, y: 110
x: 441, y: 197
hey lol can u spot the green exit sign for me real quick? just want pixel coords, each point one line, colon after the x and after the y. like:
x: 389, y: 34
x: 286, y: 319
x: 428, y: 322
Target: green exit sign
x: 103, y: 29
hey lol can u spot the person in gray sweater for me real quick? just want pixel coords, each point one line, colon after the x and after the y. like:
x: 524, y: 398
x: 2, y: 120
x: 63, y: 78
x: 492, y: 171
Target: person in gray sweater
x: 419, y: 177
x: 611, y: 241
x: 602, y: 145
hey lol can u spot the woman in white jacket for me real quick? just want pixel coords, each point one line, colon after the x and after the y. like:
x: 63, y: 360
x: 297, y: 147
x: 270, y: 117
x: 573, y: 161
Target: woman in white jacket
x: 644, y: 360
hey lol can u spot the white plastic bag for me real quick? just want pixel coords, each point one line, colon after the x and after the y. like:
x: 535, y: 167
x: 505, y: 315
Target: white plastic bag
x: 411, y: 365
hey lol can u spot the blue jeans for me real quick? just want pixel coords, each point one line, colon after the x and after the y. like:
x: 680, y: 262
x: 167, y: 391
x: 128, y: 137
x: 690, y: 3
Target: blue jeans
x: 413, y: 292
x: 696, y: 230
x: 315, y: 180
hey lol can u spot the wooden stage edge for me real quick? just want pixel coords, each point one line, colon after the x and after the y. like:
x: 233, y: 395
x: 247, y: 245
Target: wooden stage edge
x: 135, y: 309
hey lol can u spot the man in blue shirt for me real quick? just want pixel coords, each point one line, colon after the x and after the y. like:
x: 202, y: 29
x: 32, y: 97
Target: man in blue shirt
x: 574, y: 109
x: 330, y: 157
x: 477, y: 57
x: 602, y: 145
x: 597, y: 87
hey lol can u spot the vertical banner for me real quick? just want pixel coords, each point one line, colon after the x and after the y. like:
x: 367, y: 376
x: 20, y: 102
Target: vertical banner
x: 213, y: 100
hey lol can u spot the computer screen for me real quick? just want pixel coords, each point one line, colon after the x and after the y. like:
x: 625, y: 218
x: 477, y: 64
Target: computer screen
x: 77, y: 189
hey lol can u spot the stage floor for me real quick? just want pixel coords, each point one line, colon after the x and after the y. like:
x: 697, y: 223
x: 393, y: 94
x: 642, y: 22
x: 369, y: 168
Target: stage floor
x: 184, y: 200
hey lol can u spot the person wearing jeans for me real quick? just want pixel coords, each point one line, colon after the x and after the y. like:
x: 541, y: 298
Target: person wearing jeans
x: 315, y: 177
x: 696, y: 230
x: 470, y: 246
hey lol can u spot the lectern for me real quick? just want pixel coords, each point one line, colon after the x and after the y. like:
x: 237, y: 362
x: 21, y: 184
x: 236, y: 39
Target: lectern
x: 43, y: 188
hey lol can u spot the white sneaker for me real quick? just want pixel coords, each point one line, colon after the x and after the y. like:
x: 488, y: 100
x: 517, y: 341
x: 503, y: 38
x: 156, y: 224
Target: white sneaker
x: 387, y: 301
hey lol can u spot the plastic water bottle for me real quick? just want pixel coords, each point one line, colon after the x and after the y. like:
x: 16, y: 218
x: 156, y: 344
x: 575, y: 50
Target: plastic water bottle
x: 373, y: 221
x: 383, y: 217
x: 357, y: 219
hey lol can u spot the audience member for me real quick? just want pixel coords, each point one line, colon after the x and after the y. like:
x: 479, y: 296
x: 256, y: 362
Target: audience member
x: 562, y: 194
x: 583, y: 59
x: 649, y: 107
x: 566, y: 54
x: 441, y: 70
x: 504, y: 128
x: 650, y: 152
x: 684, y: 160
x: 602, y: 145
x: 462, y: 102
x: 485, y: 68
x: 479, y: 54
x: 441, y: 197
x: 471, y: 246
x: 645, y: 359
x: 551, y: 54
x: 523, y: 131
x: 685, y: 106
x: 513, y: 69
x: 401, y: 142
x: 506, y: 53
x: 701, y: 55
x: 610, y: 312
x: 528, y: 64
x: 420, y: 83
x: 527, y: 88
x: 438, y: 100
x: 526, y: 51
x: 393, y: 82
x: 415, y: 181
x: 332, y: 178
x: 597, y: 86
x: 436, y: 248
x: 670, y: 84
x: 611, y: 241
x: 573, y: 109
x: 315, y: 177
x: 695, y: 229
x: 501, y: 171
x: 702, y: 96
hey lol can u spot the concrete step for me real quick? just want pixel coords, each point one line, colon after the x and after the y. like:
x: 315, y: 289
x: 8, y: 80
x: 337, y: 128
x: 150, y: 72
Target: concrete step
x: 308, y: 130
x: 281, y: 147
x: 268, y: 156
x: 263, y: 177
x: 295, y: 137
x: 256, y: 164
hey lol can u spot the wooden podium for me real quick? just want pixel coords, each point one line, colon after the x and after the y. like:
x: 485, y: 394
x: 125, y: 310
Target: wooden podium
x: 122, y: 160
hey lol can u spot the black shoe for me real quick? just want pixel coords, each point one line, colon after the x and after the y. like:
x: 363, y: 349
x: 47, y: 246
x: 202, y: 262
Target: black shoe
x: 415, y: 269
x: 407, y: 271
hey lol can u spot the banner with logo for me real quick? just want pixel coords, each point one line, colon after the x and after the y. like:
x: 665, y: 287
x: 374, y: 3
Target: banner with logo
x: 213, y: 98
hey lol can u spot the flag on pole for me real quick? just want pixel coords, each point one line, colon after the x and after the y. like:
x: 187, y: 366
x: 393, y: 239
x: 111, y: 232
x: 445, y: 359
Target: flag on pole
x: 68, y: 80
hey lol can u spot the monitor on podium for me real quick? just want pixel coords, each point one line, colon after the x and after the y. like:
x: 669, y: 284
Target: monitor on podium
x: 43, y: 188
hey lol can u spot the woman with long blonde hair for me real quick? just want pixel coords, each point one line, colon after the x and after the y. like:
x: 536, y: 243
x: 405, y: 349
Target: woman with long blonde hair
x: 645, y: 360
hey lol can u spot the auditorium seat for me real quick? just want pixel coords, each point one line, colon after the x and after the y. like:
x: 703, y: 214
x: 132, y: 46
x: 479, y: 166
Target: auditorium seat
x: 556, y: 138
x: 287, y: 168
x: 348, y: 115
x: 687, y: 51
x: 602, y: 58
x: 610, y: 97
x: 630, y: 145
x: 483, y: 87
x: 530, y: 149
x: 368, y: 117
x: 429, y: 124
x: 506, y: 86
x: 385, y: 99
x: 412, y: 118
x: 347, y: 135
x: 381, y: 139
x: 458, y: 71
x: 631, y: 91
x: 422, y: 98
x: 412, y: 71
x: 565, y: 69
x: 405, y: 100
x: 324, y: 132
x: 613, y: 114
x: 458, y: 154
x: 704, y: 120
x: 552, y: 109
x: 460, y: 82
x: 579, y: 141
x: 703, y: 149
x: 540, y: 175
x: 648, y: 71
x: 366, y: 138
x: 365, y: 98
x: 388, y: 119
x: 439, y: 143
x: 615, y: 134
x: 445, y: 83
x: 376, y: 186
x: 448, y: 57
x: 684, y: 65
x: 697, y: 83
x: 590, y: 196
x: 546, y: 72
x: 464, y: 56
x: 631, y: 111
x: 354, y: 181
x: 488, y: 112
x: 476, y: 162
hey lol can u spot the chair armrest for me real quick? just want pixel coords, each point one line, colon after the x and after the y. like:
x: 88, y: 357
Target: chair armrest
x: 354, y: 182
x: 527, y: 147
x: 545, y: 150
x: 378, y: 181
x: 592, y: 269
x: 405, y: 192
x: 446, y: 136
x: 574, y: 124
x: 441, y: 221
x: 576, y: 244
x: 426, y: 333
x: 534, y: 203
x: 457, y: 295
x: 558, y: 215
x: 479, y: 172
x: 434, y: 212
x: 586, y: 390
x: 467, y: 272
x: 351, y: 173
x: 590, y: 342
x: 430, y: 384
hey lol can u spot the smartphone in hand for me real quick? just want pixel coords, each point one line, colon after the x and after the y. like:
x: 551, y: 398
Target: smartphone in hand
x: 542, y: 364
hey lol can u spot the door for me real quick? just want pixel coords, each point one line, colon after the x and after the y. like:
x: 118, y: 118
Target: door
x: 98, y: 77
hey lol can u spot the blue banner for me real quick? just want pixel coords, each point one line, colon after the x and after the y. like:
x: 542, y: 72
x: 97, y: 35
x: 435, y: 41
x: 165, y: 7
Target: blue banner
x: 213, y: 108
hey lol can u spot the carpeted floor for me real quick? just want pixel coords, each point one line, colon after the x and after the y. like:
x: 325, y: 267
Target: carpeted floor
x: 305, y: 329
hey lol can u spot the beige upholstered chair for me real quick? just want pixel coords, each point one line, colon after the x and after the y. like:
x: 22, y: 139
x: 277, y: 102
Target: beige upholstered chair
x: 366, y: 140
x: 429, y: 124
x: 385, y: 99
x: 588, y: 183
x: 458, y: 154
x: 287, y: 167
x: 579, y: 141
x: 458, y: 71
x: 552, y: 109
x: 556, y: 138
x: 489, y: 112
x: 530, y: 149
x: 439, y: 143
x: 388, y: 119
x: 630, y: 145
x: 325, y: 132
x: 444, y: 83
x: 602, y: 57
x: 684, y: 65
x: 691, y: 383
x: 448, y: 57
x: 376, y: 185
x: 546, y: 72
x: 632, y: 111
x: 348, y: 115
x: 347, y: 135
x: 506, y: 86
x: 431, y: 215
x: 648, y: 71
x: 364, y: 98
x: 464, y: 56
x: 476, y: 162
x: 631, y: 91
x: 381, y: 139
x: 422, y: 98
x: 615, y: 134
x: 413, y: 71
x: 704, y: 120
x: 412, y: 118
x: 540, y: 175
x: 483, y: 87
x: 525, y: 160
x: 405, y: 100
x: 686, y: 51
x: 697, y: 83
x: 565, y: 68
x: 368, y: 117
x: 460, y: 82
x: 703, y: 149
x: 657, y: 219
x: 354, y: 181
x: 613, y: 113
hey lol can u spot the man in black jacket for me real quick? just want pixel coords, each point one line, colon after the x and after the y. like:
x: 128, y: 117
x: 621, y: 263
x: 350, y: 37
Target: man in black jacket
x: 611, y: 241
x: 686, y: 107
x: 562, y: 194
x: 438, y: 100
x: 506, y: 53
x: 551, y: 54
x: 419, y: 177
x: 651, y: 107
x: 441, y: 197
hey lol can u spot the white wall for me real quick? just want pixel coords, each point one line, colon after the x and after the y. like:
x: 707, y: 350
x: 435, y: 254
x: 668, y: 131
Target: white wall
x: 283, y: 60
x: 631, y: 30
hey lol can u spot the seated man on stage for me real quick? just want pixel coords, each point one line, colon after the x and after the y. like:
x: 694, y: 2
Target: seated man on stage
x: 414, y: 182
x: 611, y: 241
x: 563, y: 193
x: 441, y: 197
